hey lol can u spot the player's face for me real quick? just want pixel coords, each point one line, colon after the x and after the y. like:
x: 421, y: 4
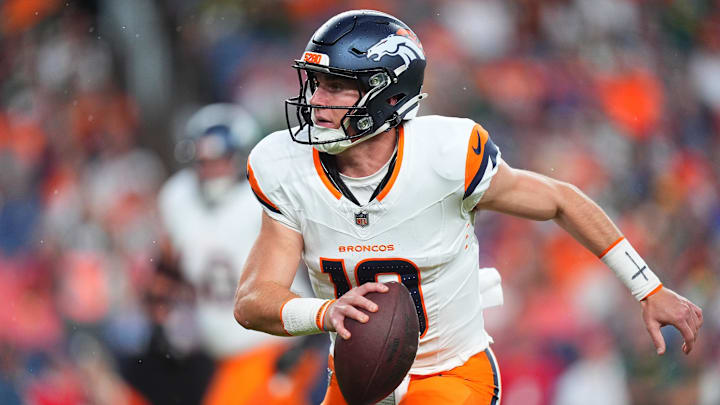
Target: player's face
x: 332, y: 91
x: 209, y: 169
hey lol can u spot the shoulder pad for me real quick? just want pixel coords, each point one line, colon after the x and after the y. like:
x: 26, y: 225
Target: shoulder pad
x: 459, y: 149
x: 444, y: 141
x: 274, y: 161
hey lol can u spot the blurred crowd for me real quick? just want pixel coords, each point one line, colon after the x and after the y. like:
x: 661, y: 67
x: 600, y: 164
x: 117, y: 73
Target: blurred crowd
x: 619, y: 97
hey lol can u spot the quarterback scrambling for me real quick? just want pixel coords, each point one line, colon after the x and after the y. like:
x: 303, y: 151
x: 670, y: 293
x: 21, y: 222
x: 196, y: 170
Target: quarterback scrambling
x: 363, y: 191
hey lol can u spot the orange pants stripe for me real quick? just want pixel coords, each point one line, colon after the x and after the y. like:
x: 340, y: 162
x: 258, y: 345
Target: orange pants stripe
x: 475, y: 382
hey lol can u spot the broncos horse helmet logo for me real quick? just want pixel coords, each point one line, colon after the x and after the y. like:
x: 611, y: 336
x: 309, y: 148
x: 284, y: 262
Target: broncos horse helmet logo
x: 396, y: 45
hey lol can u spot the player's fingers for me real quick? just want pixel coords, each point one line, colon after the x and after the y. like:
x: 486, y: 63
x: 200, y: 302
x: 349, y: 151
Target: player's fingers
x: 687, y: 334
x: 653, y: 329
x: 337, y: 313
x: 340, y: 328
x: 361, y: 302
x: 372, y: 287
x: 351, y: 312
x: 692, y: 321
x: 698, y: 313
x: 697, y: 323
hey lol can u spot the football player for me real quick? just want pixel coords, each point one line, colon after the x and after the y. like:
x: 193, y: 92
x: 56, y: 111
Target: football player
x: 211, y: 219
x: 364, y: 191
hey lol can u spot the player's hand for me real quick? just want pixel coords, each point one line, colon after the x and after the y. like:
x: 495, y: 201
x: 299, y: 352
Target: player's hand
x: 666, y: 307
x: 347, y: 307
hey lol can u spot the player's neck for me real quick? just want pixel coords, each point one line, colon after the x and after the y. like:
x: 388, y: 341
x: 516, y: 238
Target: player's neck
x: 369, y: 156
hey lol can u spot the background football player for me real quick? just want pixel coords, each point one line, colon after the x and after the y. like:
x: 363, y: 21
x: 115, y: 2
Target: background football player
x: 211, y: 219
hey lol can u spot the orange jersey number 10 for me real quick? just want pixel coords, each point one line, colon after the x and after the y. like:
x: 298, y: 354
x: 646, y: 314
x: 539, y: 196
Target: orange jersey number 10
x: 369, y: 270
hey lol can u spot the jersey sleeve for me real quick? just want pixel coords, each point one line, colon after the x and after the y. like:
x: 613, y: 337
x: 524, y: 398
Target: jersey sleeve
x: 266, y: 185
x: 481, y: 163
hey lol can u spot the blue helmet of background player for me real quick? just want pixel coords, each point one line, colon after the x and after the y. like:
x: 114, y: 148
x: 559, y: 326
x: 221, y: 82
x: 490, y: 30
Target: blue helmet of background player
x: 217, y: 139
x: 226, y: 128
x: 382, y: 55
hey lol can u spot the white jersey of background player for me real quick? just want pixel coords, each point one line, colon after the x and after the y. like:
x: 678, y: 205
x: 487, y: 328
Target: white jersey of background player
x: 212, y: 222
x: 213, y: 244
x: 419, y: 229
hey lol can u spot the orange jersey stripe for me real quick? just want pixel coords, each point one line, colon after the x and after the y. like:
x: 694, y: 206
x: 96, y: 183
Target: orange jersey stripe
x: 318, y: 167
x: 256, y: 189
x: 398, y: 162
x: 475, y: 153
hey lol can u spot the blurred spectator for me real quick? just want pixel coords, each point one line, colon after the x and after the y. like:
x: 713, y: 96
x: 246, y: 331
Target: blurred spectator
x: 599, y: 361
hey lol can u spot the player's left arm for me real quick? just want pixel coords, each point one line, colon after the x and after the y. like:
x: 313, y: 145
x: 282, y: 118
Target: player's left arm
x: 531, y: 195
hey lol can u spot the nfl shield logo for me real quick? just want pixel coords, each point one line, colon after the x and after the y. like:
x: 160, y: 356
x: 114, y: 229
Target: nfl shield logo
x: 361, y: 219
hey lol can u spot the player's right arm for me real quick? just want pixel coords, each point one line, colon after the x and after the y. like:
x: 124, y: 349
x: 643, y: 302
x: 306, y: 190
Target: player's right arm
x: 263, y: 299
x: 264, y: 285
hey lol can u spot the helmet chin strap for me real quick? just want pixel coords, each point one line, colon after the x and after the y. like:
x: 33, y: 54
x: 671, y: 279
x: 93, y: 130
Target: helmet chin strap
x: 334, y: 148
x: 323, y: 134
x: 320, y: 134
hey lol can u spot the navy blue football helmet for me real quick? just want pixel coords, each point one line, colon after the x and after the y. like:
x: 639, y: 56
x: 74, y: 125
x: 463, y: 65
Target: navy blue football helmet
x: 215, y: 142
x: 216, y: 130
x: 381, y: 54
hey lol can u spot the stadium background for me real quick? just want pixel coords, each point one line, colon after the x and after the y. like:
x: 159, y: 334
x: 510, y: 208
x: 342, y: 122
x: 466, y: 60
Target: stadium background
x: 620, y: 97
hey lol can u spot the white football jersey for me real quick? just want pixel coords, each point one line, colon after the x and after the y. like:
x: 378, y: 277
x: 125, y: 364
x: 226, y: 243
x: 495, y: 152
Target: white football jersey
x: 418, y: 230
x: 213, y: 244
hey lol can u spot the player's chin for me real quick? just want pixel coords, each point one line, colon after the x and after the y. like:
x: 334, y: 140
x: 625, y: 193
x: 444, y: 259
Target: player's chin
x: 327, y: 124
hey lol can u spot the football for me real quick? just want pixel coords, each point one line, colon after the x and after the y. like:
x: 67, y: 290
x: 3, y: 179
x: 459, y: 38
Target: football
x: 379, y: 353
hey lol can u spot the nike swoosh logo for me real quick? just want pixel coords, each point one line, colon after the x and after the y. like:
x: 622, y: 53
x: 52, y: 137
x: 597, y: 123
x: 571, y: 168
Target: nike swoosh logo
x: 477, y: 150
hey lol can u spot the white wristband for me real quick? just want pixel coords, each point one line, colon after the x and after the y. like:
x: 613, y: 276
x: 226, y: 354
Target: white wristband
x: 304, y: 316
x: 631, y: 269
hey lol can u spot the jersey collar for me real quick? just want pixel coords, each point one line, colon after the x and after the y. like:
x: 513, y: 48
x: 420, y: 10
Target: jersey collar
x: 385, y: 185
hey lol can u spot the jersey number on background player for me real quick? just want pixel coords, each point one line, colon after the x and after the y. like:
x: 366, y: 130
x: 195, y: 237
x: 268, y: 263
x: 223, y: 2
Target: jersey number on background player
x: 218, y: 280
x: 369, y: 270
